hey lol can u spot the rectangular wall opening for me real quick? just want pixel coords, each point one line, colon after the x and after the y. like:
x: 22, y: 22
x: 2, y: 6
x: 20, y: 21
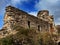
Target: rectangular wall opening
x: 38, y: 27
x: 29, y: 24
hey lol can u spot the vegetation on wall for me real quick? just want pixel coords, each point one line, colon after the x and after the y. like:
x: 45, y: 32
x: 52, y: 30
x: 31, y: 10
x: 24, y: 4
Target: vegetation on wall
x: 27, y: 37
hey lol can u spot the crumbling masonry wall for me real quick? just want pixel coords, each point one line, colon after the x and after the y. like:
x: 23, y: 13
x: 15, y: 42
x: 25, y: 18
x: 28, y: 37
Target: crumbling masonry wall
x: 14, y: 16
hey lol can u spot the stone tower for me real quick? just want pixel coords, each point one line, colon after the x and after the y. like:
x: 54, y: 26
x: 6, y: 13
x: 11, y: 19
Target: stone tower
x: 43, y: 14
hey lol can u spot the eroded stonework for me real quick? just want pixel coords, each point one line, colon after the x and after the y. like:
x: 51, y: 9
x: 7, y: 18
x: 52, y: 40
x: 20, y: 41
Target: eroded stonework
x: 42, y: 22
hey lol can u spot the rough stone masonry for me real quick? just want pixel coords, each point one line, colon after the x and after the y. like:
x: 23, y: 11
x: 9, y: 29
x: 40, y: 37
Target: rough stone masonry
x: 43, y: 21
x: 13, y: 16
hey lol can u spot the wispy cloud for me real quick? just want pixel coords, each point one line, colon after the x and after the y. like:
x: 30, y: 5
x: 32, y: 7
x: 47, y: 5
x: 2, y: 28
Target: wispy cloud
x: 15, y: 2
x: 52, y: 5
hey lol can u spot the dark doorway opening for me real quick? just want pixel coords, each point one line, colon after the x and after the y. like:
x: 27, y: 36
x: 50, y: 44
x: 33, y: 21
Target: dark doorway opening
x: 59, y: 43
x: 38, y: 27
x: 29, y: 24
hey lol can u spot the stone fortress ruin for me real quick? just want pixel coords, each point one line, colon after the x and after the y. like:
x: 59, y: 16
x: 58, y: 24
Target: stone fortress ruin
x: 13, y: 16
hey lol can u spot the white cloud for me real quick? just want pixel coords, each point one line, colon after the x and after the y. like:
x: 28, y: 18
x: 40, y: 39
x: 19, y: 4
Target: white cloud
x: 52, y: 1
x: 57, y: 23
x: 33, y: 13
x: 45, y: 4
x: 14, y: 2
x: 58, y: 19
x: 52, y: 5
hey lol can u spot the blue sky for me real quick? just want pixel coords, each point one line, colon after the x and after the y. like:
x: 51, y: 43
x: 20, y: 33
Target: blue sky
x: 32, y: 7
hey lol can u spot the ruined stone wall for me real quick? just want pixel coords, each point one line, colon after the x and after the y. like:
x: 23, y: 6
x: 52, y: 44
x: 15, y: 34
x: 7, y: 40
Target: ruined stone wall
x: 14, y: 16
